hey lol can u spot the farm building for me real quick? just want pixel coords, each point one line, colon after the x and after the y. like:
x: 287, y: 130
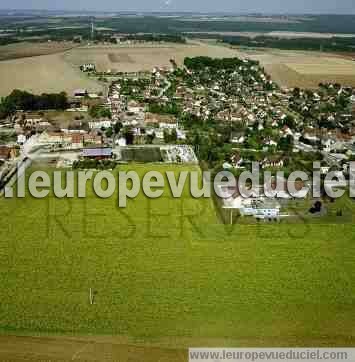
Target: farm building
x: 80, y: 93
x: 21, y: 139
x: 254, y: 205
x: 262, y: 209
x: 88, y: 67
x: 97, y: 153
x: 93, y: 138
x: 272, y: 162
x: 100, y: 124
x: 77, y: 140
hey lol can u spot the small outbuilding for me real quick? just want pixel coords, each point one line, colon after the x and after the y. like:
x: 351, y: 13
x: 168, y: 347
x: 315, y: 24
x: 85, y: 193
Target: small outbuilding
x: 98, y: 153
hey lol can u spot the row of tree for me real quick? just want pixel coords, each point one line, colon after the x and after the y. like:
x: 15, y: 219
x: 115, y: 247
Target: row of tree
x: 94, y: 164
x: 201, y: 62
x: 171, y: 38
x: 325, y: 44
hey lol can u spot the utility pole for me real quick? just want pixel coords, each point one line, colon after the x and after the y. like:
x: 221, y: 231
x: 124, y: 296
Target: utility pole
x: 92, y: 30
x: 91, y: 296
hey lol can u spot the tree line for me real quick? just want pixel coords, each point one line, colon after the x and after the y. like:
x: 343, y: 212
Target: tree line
x: 25, y: 101
x: 201, y: 62
x: 324, y: 44
x: 171, y: 38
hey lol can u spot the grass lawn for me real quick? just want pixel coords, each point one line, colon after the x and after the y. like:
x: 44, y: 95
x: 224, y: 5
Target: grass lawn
x: 166, y: 269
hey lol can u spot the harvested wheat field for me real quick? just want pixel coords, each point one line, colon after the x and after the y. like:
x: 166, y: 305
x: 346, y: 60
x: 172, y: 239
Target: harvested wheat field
x: 308, y: 74
x: 143, y: 57
x: 43, y: 74
x: 60, y: 71
x: 304, y: 69
x: 27, y: 49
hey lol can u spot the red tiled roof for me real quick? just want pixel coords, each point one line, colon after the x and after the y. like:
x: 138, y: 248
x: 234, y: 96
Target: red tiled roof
x: 4, y: 152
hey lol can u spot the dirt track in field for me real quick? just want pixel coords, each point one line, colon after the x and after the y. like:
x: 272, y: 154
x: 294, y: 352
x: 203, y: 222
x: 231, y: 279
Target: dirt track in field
x: 124, y: 349
x: 34, y: 349
x: 26, y: 49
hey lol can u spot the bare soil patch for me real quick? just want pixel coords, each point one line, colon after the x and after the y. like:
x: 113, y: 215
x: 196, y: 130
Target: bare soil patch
x: 16, y: 349
x: 118, y: 348
x: 24, y: 50
x: 45, y: 73
x: 119, y: 58
x: 140, y: 58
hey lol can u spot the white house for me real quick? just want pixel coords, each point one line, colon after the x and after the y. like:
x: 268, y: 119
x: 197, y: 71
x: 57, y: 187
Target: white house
x: 276, y: 162
x: 254, y: 206
x: 100, y: 124
x: 164, y: 125
x: 181, y: 134
x: 324, y: 170
x: 121, y: 142
x: 21, y: 139
x: 328, y: 144
x: 80, y: 93
x: 270, y: 143
x: 238, y: 140
x: 262, y: 209
x: 88, y: 67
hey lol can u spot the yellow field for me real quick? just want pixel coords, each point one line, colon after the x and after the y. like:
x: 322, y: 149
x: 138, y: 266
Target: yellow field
x: 60, y: 71
x: 308, y: 74
x: 46, y: 73
x: 304, y: 69
x: 39, y: 68
x: 141, y: 57
x: 332, y: 66
x: 27, y: 49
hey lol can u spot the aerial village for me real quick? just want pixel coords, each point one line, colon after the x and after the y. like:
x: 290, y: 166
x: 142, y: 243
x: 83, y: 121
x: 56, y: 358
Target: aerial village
x: 220, y: 114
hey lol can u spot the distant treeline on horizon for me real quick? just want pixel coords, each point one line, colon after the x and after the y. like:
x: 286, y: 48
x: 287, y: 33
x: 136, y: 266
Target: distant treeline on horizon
x: 334, y: 44
x: 158, y: 24
x: 164, y: 28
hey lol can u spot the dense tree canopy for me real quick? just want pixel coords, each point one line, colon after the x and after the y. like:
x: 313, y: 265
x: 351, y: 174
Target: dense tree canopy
x: 25, y: 101
x: 202, y: 62
x: 325, y: 44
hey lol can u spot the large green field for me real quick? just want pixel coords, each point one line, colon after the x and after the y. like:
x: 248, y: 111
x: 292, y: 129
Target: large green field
x: 166, y: 271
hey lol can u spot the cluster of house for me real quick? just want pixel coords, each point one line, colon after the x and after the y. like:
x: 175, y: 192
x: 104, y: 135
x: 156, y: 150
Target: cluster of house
x: 238, y: 96
x: 260, y: 204
x: 244, y: 96
x: 133, y: 113
x: 88, y: 67
x: 66, y: 139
